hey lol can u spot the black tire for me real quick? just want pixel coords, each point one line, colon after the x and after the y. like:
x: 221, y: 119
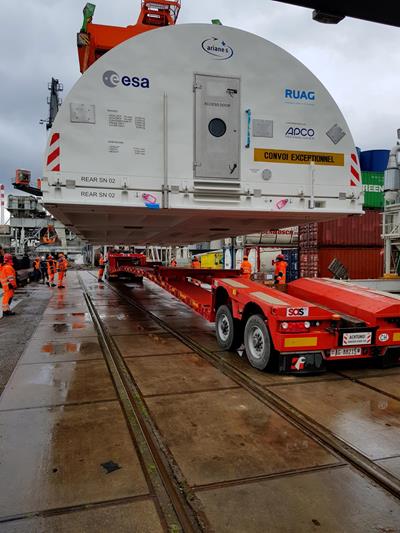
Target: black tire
x: 228, y: 330
x: 257, y: 342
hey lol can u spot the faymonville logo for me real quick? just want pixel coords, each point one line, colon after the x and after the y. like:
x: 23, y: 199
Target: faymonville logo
x: 217, y: 48
x: 112, y: 79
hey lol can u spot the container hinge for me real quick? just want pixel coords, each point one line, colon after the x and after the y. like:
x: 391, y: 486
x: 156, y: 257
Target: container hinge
x: 196, y: 164
x: 197, y: 86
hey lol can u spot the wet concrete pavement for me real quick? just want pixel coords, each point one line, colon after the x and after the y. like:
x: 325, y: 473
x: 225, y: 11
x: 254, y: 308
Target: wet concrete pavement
x: 250, y: 469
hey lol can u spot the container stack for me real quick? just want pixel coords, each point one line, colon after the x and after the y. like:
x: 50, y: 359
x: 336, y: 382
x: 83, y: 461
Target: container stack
x: 355, y: 241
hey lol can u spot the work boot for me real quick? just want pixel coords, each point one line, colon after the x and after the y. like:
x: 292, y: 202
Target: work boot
x: 53, y: 284
x: 100, y: 281
x: 47, y: 283
x: 61, y: 286
x: 8, y: 313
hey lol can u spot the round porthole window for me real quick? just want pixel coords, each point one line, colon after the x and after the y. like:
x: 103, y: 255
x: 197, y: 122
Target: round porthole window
x: 217, y: 127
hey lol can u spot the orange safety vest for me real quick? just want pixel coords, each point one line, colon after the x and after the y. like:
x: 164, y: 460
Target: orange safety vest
x: 101, y: 262
x: 36, y: 263
x: 62, y: 264
x: 51, y: 266
x: 196, y: 264
x: 173, y: 263
x: 7, y: 275
x: 246, y: 268
x: 280, y: 272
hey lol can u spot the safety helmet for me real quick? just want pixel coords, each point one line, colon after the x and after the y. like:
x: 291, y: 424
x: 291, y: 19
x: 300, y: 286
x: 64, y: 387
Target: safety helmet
x: 280, y: 257
x: 8, y: 258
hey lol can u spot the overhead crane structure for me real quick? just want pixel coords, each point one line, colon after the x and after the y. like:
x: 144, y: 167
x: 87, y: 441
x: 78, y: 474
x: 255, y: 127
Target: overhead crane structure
x: 94, y: 40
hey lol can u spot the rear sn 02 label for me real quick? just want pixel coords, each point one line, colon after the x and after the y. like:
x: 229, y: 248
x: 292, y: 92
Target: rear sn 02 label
x: 350, y: 339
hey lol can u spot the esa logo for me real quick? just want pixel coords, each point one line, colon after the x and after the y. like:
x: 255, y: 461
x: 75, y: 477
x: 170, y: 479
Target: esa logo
x: 297, y: 311
x: 217, y: 48
x: 112, y: 79
x: 300, y: 96
x: 299, y: 131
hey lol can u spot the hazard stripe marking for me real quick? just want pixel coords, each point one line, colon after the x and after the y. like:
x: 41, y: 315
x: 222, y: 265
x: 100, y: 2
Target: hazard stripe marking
x: 54, y: 138
x: 53, y: 155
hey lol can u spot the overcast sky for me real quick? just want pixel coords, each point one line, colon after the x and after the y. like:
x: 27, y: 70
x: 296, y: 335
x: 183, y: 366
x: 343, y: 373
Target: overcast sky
x: 357, y: 61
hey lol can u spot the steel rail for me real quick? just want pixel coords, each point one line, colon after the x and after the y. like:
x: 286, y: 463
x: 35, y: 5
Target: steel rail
x: 312, y: 428
x: 172, y: 498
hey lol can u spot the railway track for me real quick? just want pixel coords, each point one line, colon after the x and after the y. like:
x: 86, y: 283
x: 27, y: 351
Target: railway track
x: 173, y: 498
x: 303, y: 422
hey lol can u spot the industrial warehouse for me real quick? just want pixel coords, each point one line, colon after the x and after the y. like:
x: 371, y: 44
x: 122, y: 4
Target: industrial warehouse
x: 200, y: 269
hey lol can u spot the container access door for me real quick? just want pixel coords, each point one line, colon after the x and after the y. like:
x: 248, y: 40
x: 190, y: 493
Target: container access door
x: 217, y: 130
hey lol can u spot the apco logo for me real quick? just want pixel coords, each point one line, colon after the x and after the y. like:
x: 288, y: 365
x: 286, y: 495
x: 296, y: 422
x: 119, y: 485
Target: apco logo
x: 112, y: 79
x: 299, y: 131
x: 217, y: 48
x: 297, y: 311
x: 299, y: 96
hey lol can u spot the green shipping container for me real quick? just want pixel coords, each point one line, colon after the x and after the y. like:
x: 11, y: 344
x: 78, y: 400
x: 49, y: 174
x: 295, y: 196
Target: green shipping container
x: 373, y: 185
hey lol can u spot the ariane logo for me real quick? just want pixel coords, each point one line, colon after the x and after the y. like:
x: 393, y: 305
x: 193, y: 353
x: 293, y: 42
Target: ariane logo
x: 112, y: 79
x: 299, y: 131
x: 300, y: 96
x: 218, y: 48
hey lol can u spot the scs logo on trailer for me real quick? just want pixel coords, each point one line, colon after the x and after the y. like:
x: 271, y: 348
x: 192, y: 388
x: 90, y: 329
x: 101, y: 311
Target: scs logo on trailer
x: 112, y: 79
x: 297, y: 311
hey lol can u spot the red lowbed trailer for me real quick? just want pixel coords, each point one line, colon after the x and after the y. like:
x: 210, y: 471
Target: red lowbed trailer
x: 298, y: 330
x: 121, y: 264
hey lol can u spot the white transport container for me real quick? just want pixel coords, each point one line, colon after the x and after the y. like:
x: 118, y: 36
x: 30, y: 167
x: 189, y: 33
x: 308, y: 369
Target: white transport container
x: 198, y: 132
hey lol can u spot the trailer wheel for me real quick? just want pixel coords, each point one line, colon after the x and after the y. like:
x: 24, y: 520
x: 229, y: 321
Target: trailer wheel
x: 228, y: 329
x: 257, y: 342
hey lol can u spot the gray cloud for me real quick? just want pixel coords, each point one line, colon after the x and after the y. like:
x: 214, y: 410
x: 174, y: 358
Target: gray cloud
x: 357, y: 61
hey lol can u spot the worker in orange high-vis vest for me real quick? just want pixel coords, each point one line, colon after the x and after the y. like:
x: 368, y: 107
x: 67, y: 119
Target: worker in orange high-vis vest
x: 62, y: 265
x: 102, y: 263
x: 36, y: 269
x: 51, y: 270
x: 173, y: 262
x: 246, y: 267
x: 8, y: 281
x: 196, y: 263
x: 280, y: 270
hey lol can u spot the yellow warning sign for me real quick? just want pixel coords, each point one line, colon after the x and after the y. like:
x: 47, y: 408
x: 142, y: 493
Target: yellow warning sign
x: 298, y: 157
x: 297, y: 342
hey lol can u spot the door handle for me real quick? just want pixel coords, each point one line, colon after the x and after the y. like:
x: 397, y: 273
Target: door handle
x: 233, y: 168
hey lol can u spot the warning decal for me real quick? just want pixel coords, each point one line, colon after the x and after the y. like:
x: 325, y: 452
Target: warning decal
x: 298, y: 157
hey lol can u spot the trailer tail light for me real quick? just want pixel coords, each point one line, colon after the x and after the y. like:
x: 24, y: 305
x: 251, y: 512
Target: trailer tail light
x: 294, y: 327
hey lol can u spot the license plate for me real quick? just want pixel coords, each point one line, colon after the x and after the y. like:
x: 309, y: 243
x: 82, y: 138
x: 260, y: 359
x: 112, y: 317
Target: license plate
x: 343, y: 352
x: 350, y: 339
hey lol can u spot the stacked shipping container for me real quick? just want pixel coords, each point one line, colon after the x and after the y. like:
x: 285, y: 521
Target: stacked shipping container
x: 354, y: 241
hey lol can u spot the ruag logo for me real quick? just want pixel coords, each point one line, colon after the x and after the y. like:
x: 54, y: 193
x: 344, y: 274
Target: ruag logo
x: 217, y: 48
x: 299, y: 96
x: 112, y: 79
x: 299, y: 131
